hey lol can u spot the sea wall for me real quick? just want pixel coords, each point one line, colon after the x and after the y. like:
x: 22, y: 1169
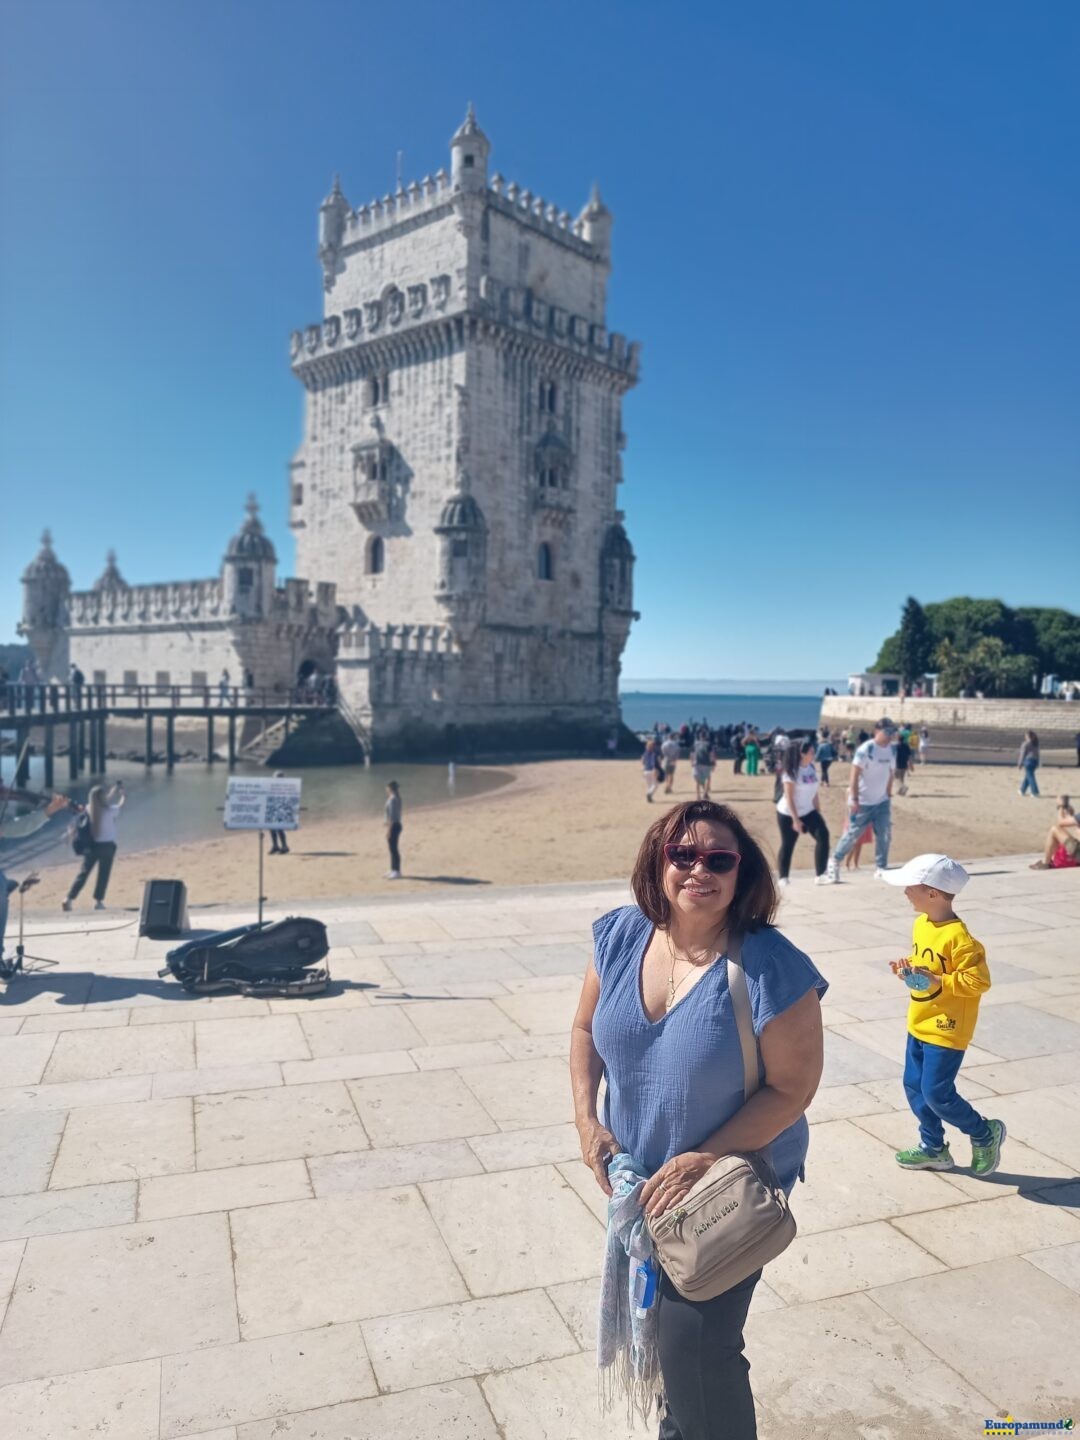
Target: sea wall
x: 994, y: 725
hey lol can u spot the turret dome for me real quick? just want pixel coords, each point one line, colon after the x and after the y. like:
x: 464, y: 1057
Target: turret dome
x: 461, y: 512
x: 45, y: 565
x: 110, y: 578
x: 251, y: 541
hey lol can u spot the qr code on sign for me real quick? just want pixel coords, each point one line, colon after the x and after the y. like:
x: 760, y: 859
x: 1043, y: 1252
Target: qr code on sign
x: 280, y: 811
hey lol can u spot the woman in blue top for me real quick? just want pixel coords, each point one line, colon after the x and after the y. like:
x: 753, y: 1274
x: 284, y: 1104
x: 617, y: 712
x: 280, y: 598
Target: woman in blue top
x: 655, y: 1021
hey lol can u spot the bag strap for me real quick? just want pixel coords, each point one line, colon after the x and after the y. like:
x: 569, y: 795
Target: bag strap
x: 744, y: 1019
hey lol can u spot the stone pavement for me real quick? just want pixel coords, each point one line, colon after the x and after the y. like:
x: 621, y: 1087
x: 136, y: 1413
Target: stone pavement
x: 364, y: 1215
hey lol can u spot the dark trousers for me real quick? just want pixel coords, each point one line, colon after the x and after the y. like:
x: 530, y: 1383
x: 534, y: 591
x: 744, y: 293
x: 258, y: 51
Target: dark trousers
x: 278, y: 841
x: 393, y: 835
x: 706, y: 1374
x: 825, y: 771
x: 815, y: 826
x: 101, y: 853
x: 930, y: 1086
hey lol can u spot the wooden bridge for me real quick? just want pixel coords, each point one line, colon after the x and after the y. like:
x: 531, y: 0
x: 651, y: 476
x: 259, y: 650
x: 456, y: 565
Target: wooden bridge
x: 86, y: 709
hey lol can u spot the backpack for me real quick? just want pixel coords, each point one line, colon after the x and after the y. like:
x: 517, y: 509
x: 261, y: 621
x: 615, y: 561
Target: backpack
x: 82, y: 836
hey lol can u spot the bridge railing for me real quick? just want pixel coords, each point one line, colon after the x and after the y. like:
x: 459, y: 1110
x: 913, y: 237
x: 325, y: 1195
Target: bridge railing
x: 41, y: 698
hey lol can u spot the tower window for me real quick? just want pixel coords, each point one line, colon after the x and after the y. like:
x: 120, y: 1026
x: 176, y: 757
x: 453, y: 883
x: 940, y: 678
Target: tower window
x: 468, y: 161
x: 545, y: 563
x: 460, y: 549
x: 245, y: 577
x: 378, y: 389
x: 297, y: 493
x: 376, y: 556
x: 549, y: 397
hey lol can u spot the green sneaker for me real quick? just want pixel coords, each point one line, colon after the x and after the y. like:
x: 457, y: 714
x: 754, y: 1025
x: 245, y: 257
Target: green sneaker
x: 919, y: 1159
x: 985, y: 1158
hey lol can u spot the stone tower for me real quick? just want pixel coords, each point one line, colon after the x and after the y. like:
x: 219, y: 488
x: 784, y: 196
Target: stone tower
x: 46, y: 590
x: 458, y: 474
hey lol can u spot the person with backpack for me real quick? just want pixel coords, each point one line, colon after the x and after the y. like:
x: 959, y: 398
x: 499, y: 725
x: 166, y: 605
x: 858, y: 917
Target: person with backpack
x: 95, y: 841
x: 704, y: 759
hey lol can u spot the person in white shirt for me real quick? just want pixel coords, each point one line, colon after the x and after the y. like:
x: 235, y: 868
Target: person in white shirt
x: 798, y: 811
x: 870, y: 798
x: 102, y: 811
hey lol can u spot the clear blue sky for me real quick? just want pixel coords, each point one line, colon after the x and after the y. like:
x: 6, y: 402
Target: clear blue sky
x: 846, y: 234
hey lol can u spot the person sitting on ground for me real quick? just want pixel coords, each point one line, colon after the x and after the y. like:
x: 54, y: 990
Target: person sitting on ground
x: 1062, y: 841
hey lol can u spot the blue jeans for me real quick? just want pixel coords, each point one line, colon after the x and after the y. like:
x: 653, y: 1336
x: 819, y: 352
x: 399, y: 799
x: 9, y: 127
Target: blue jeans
x: 930, y: 1086
x: 1029, y: 781
x: 880, y: 817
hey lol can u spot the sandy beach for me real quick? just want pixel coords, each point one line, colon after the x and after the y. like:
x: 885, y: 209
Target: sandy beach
x: 565, y: 820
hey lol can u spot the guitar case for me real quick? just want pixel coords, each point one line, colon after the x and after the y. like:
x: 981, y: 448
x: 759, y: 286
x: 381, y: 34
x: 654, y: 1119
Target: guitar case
x: 276, y: 958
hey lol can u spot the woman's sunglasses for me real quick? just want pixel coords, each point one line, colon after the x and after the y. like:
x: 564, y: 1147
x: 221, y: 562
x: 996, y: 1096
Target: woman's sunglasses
x: 717, y: 862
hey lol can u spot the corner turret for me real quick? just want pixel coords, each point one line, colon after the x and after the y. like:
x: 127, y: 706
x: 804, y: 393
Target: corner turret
x: 46, y: 589
x: 110, y: 580
x: 596, y: 221
x: 333, y: 213
x: 247, y: 571
x: 469, y: 151
x: 461, y: 586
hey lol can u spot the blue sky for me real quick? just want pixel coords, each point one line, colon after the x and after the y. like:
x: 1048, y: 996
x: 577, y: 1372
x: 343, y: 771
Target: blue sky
x: 846, y: 234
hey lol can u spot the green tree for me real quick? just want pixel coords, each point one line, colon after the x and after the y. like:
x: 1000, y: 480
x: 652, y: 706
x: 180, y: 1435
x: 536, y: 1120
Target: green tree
x: 1056, y: 640
x: 915, y: 643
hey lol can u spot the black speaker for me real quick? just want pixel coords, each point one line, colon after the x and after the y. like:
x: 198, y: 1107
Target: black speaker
x: 164, y: 909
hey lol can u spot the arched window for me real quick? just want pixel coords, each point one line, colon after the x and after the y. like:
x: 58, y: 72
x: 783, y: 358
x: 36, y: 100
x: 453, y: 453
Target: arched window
x: 376, y: 556
x: 545, y: 563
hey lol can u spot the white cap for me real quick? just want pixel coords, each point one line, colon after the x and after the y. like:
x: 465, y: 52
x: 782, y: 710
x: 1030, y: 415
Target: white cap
x: 936, y: 870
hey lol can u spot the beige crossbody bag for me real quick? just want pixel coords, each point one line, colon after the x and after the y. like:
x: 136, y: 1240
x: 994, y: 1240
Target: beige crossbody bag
x: 736, y: 1218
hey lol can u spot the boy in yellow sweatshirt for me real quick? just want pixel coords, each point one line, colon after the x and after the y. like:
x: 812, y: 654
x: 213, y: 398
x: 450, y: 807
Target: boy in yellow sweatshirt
x: 946, y: 974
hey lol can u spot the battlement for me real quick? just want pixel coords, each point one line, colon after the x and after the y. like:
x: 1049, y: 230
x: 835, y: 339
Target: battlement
x: 358, y: 640
x: 533, y: 210
x: 191, y: 602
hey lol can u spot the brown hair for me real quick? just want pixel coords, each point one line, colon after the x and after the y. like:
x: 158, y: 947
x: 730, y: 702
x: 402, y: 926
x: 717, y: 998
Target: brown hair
x: 755, y: 899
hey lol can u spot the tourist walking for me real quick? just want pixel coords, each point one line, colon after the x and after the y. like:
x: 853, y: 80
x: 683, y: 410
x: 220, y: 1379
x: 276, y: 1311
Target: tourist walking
x: 947, y: 975
x: 1028, y: 762
x: 752, y: 750
x: 903, y: 761
x: 223, y: 688
x: 654, y: 1020
x: 924, y: 745
x: 869, y: 798
x: 652, y: 769
x: 825, y: 755
x: 739, y: 750
x: 704, y: 760
x: 102, y: 811
x: 798, y: 811
x: 392, y: 820
x: 670, y: 752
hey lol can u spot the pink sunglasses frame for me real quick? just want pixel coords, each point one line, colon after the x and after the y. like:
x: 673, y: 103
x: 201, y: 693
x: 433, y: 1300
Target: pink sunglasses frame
x: 699, y: 854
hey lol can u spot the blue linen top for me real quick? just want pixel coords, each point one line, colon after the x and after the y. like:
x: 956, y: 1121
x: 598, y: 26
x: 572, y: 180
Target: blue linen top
x: 673, y: 1081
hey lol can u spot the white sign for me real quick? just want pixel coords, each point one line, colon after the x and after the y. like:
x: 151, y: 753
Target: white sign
x: 258, y: 804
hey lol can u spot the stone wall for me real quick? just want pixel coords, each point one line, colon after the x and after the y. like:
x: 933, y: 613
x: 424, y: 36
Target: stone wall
x: 964, y: 722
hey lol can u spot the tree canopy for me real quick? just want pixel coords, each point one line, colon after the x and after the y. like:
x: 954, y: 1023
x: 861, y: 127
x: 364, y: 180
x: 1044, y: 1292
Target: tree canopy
x: 982, y: 645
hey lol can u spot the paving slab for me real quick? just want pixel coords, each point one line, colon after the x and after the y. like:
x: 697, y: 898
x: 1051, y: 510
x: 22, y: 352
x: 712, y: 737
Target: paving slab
x: 248, y: 1041
x: 204, y: 1191
x: 82, y: 1208
x: 847, y: 1062
x: 72, y: 1097
x: 452, y: 1341
x: 451, y: 1412
x: 426, y: 1105
x: 578, y: 1302
x: 347, y: 1067
x: 852, y: 1258
x: 523, y: 1093
x: 50, y: 1024
x: 546, y: 1012
x: 216, y: 1080
x: 28, y: 1146
x: 392, y: 1166
x: 1024, y: 1359
x: 154, y: 1282
x: 1060, y: 1261
x: 133, y: 1050
x: 844, y: 1369
x: 359, y: 1030
x: 452, y: 1022
x: 344, y: 1276
x: 456, y: 967
x: 485, y: 1220
x: 1012, y: 1225
x: 119, y: 1402
x: 257, y: 1379
x: 450, y: 1057
x: 11, y: 1253
x: 23, y: 1058
x: 124, y: 1142
x: 288, y: 1122
x: 557, y: 1400
x: 514, y: 1149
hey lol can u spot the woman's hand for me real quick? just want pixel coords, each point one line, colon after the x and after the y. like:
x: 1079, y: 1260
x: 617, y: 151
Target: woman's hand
x: 798, y: 827
x: 598, y: 1146
x: 673, y: 1182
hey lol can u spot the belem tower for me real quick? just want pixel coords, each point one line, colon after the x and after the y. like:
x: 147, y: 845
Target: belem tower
x: 454, y: 498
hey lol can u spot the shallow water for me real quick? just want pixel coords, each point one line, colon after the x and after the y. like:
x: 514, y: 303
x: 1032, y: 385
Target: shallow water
x: 189, y: 804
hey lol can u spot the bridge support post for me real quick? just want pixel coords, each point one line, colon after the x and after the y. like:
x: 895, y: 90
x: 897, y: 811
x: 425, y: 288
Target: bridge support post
x: 73, y: 750
x: 92, y: 748
x: 22, y: 756
x: 149, y: 739
x: 80, y: 739
x: 232, y: 740
x: 170, y: 743
x: 101, y: 724
x: 210, y: 739
x: 50, y: 735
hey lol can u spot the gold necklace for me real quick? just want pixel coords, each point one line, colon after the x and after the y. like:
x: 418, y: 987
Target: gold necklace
x: 694, y: 964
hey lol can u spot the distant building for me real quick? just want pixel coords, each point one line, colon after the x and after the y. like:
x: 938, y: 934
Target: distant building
x: 455, y: 491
